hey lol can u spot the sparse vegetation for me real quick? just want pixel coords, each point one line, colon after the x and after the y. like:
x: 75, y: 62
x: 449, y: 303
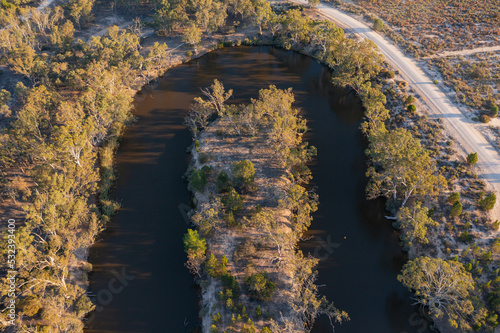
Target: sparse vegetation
x: 438, y: 25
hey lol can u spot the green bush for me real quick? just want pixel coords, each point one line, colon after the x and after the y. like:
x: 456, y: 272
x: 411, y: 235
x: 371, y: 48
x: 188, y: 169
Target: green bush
x: 435, y: 81
x: 198, y: 180
x: 489, y: 202
x: 213, y: 266
x: 232, y: 201
x: 456, y: 209
x: 494, y: 111
x: 193, y: 243
x: 216, y: 318
x: 472, y: 158
x: 5, y: 97
x: 243, y: 172
x: 390, y: 74
x: 378, y: 24
x: 223, y: 182
x: 229, y: 218
x: 230, y: 282
x: 454, y: 197
x: 485, y: 118
x: 495, y: 246
x: 258, y: 312
x: 495, y: 225
x: 260, y: 286
x: 409, y: 100
x: 411, y: 108
x: 203, y: 158
x: 465, y: 237
x: 486, y: 255
x: 494, y: 300
x: 7, y: 5
x: 207, y: 170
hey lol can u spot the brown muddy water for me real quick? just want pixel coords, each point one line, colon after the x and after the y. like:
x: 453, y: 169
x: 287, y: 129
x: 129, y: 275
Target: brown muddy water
x: 139, y: 282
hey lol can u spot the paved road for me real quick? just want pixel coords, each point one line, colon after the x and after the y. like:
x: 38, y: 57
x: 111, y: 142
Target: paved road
x: 462, y: 129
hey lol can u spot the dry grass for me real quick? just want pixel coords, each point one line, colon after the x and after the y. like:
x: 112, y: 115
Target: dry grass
x: 441, y: 25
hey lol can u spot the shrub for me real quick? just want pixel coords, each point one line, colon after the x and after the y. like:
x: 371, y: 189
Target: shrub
x: 203, y: 158
x: 5, y: 97
x: 189, y: 53
x: 465, y: 237
x: 472, y: 158
x: 207, y: 170
x: 456, y: 209
x: 260, y: 286
x: 409, y: 100
x: 494, y: 111
x: 212, y: 266
x: 81, y: 307
x: 223, y: 182
x: 496, y: 225
x: 495, y: 247
x: 486, y: 255
x: 494, y: 300
x: 216, y: 318
x: 229, y: 218
x: 411, y: 108
x: 390, y: 74
x: 230, y: 282
x: 193, y: 243
x: 378, y: 24
x: 243, y: 172
x: 232, y: 201
x: 435, y: 81
x: 454, y: 197
x: 198, y: 180
x: 484, y: 118
x: 258, y: 312
x: 489, y: 202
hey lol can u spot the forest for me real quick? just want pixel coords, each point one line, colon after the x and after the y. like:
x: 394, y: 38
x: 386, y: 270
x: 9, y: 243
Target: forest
x: 71, y: 99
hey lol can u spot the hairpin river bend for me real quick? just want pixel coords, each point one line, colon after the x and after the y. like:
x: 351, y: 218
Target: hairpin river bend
x: 139, y: 278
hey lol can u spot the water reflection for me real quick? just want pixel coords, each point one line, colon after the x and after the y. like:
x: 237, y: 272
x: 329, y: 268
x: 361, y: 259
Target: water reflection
x: 361, y: 258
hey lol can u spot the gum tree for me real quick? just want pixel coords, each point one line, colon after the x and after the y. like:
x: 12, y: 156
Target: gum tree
x: 401, y: 167
x: 413, y: 223
x: 444, y: 287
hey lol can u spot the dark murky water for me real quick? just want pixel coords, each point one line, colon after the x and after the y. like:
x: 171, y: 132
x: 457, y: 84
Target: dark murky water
x: 139, y: 279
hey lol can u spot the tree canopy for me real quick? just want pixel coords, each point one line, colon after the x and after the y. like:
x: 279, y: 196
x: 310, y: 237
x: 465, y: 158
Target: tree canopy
x: 444, y: 287
x: 401, y: 167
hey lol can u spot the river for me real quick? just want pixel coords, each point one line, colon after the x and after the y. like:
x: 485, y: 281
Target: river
x: 139, y: 281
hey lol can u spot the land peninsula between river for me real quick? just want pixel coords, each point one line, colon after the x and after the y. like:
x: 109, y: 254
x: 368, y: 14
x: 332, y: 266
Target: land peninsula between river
x: 247, y: 175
